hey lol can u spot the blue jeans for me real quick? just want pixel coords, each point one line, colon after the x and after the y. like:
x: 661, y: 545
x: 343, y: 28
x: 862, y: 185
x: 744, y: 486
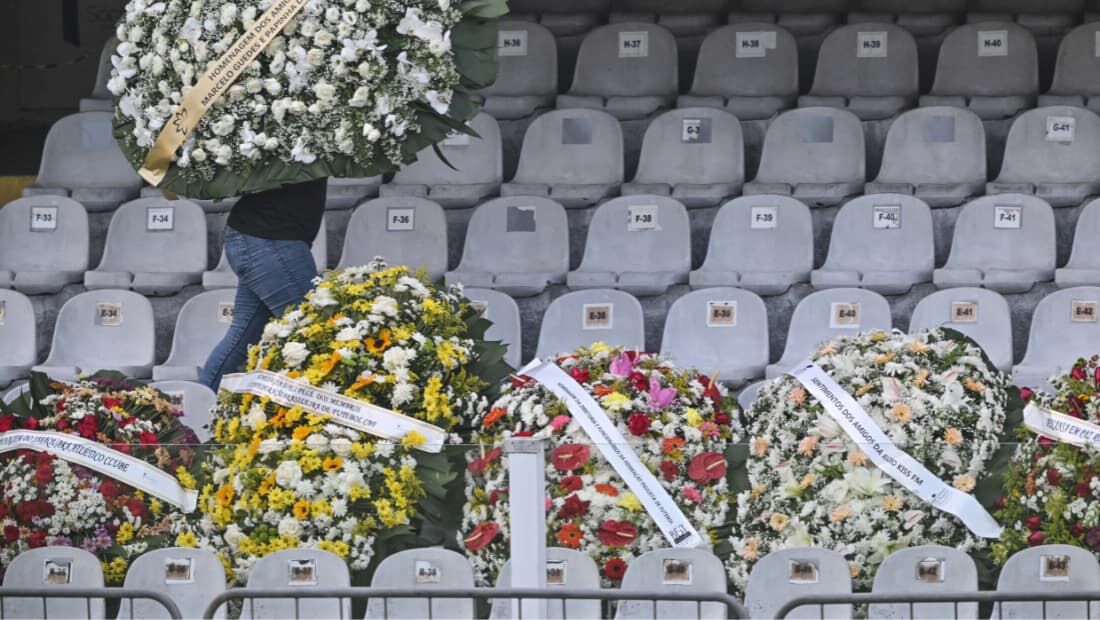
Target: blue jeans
x: 272, y: 276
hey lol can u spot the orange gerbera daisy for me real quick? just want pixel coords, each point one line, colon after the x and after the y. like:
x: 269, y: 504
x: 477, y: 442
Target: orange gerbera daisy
x: 494, y: 415
x: 570, y: 535
x: 607, y: 489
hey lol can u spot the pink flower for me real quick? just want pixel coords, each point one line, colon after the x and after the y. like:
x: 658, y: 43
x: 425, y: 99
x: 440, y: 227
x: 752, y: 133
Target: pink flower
x: 693, y: 494
x: 660, y: 398
x: 622, y: 365
x: 559, y: 422
x: 709, y: 429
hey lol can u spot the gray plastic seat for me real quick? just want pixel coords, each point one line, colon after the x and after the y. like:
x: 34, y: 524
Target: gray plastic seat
x: 673, y: 570
x: 81, y: 160
x: 685, y: 19
x: 748, y: 394
x: 761, y: 243
x: 979, y: 313
x: 19, y: 335
x: 881, y: 242
x: 868, y: 69
x: 1053, y: 569
x: 215, y: 205
x: 565, y: 568
x: 801, y: 17
x: 43, y: 244
x: 1047, y: 18
x: 475, y: 171
x: 222, y: 276
x: 1004, y: 242
x: 989, y: 68
x: 1064, y: 327
x: 422, y: 570
x: 787, y: 574
x: 936, y: 154
x: 301, y: 569
x: 562, y: 17
x: 16, y: 391
x: 191, y: 578
x: 63, y: 568
x: 629, y: 70
x: 1083, y: 267
x: 404, y: 231
x: 347, y: 193
x: 198, y: 404
x: 101, y: 99
x: 527, y: 72
x: 924, y: 19
x: 1076, y: 70
x: 581, y: 318
x: 154, y: 246
x: 928, y: 569
x: 750, y: 69
x: 1053, y: 153
x: 694, y: 155
x: 200, y: 325
x: 828, y: 314
x: 102, y: 330
x: 722, y: 332
x: 813, y: 154
x: 572, y: 156
x: 502, y: 311
x: 639, y: 244
x: 515, y: 245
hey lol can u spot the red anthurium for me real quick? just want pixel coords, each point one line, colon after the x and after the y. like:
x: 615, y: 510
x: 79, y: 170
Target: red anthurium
x: 573, y: 507
x: 569, y: 457
x: 482, y: 535
x: 617, y: 533
x: 707, y: 467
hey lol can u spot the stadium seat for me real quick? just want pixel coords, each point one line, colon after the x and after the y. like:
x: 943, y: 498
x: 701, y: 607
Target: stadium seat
x: 832, y: 313
x: 694, y: 155
x: 561, y: 17
x: 1003, y: 242
x: 581, y: 318
x: 1083, y: 267
x: 215, y: 205
x: 722, y: 332
x: 1063, y: 328
x: 515, y: 245
x: 639, y: 244
x: 989, y: 68
x: 1076, y: 69
x: 502, y: 311
x: 1046, y: 157
x: 527, y: 72
x: 629, y: 70
x: 565, y: 568
x: 403, y: 231
x: 924, y: 19
x: 154, y: 246
x: 869, y: 70
x: 673, y: 570
x: 881, y: 242
x: 302, y: 569
x: 16, y: 391
x: 1049, y: 569
x: 572, y: 156
x: 102, y: 330
x: 787, y: 574
x: 761, y: 243
x: 198, y: 404
x: 801, y: 17
x: 223, y: 277
x: 422, y: 570
x: 1049, y: 17
x: 81, y: 160
x: 101, y: 99
x: 43, y: 244
x: 979, y: 313
x: 471, y: 170
x: 191, y: 578
x: 19, y: 335
x: 936, y: 154
x: 348, y: 193
x: 63, y: 568
x: 813, y: 154
x: 200, y: 325
x: 747, y: 396
x: 750, y: 69
x: 928, y: 569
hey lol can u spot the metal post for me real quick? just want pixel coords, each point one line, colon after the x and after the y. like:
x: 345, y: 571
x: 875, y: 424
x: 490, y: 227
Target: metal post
x: 527, y: 500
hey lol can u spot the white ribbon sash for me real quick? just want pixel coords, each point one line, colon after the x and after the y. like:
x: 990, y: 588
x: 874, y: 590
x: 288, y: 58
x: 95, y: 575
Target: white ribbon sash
x: 1061, y: 427
x: 904, y: 469
x: 109, y: 462
x: 350, y: 412
x: 612, y: 445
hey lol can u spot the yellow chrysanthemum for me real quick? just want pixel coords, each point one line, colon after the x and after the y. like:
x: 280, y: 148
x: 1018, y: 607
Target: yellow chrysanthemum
x: 125, y: 533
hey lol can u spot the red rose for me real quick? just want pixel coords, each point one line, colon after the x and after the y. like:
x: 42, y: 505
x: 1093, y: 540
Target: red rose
x: 482, y: 535
x: 721, y: 418
x: 1026, y: 393
x: 6, y: 423
x: 111, y: 403
x: 494, y: 497
x: 37, y: 539
x: 43, y: 473
x: 121, y: 447
x: 573, y: 507
x: 707, y: 467
x: 1033, y: 523
x: 87, y: 427
x: 108, y: 489
x: 1000, y: 502
x: 11, y: 533
x: 138, y: 509
x: 62, y: 425
x: 1077, y: 530
x: 639, y: 381
x: 1077, y: 373
x: 569, y: 457
x: 30, y: 423
x: 1054, y: 476
x: 580, y: 375
x: 669, y: 470
x: 614, y: 569
x: 617, y: 533
x: 571, y: 483
x: 478, y: 466
x: 148, y: 439
x: 639, y: 424
x: 1035, y: 539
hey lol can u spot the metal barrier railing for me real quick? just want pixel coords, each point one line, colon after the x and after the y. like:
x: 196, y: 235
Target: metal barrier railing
x: 734, y: 608
x: 90, y: 594
x: 955, y: 598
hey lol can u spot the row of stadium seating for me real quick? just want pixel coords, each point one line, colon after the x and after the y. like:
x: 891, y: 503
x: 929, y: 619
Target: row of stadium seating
x: 192, y: 578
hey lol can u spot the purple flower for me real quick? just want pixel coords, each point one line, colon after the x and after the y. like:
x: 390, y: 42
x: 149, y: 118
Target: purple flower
x: 622, y: 365
x: 1092, y: 538
x: 660, y: 398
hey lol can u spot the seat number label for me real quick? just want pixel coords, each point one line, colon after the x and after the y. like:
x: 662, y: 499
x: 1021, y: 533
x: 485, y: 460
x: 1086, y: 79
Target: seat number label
x: 754, y: 44
x: 43, y: 218
x: 871, y: 45
x: 993, y: 43
x: 633, y: 44
x: 225, y: 312
x: 642, y: 217
x: 844, y: 315
x: 676, y: 572
x: 108, y: 315
x: 764, y: 217
x: 400, y: 219
x: 692, y: 130
x: 964, y: 312
x: 721, y: 313
x: 598, y: 316
x: 1060, y: 128
x: 1083, y: 311
x: 512, y: 43
x: 886, y: 216
x: 159, y: 218
x: 426, y: 572
x: 1007, y: 217
x: 178, y: 570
